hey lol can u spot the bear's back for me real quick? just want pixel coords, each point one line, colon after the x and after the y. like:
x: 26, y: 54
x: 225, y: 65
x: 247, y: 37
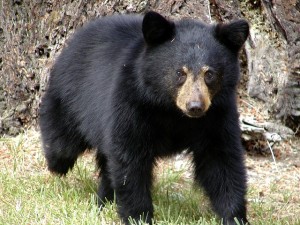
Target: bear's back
x: 118, y: 29
x: 95, y: 53
x: 98, y: 42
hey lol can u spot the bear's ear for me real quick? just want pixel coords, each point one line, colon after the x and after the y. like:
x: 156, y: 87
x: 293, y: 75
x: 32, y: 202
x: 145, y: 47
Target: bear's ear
x: 156, y: 29
x: 233, y: 35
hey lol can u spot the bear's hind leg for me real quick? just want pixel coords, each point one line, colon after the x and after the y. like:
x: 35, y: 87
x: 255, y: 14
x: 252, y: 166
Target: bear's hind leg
x: 61, y: 163
x: 105, y: 190
x: 61, y: 142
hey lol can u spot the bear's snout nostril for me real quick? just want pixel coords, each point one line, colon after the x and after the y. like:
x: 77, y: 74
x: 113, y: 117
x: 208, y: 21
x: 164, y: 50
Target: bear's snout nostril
x: 194, y: 107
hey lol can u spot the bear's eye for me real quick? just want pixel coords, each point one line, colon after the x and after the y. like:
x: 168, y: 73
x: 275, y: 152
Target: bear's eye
x: 210, y: 77
x: 181, y: 77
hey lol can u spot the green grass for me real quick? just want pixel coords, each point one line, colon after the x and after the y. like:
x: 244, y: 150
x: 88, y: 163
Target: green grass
x: 29, y: 194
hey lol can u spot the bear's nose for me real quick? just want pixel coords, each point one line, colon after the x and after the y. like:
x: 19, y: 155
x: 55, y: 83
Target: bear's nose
x: 194, y: 107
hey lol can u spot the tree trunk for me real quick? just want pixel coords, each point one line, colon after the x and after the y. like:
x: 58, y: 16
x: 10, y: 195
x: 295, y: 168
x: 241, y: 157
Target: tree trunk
x: 32, y: 33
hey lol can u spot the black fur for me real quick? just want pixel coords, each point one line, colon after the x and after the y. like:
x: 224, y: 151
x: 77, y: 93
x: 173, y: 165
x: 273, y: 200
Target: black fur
x: 113, y: 88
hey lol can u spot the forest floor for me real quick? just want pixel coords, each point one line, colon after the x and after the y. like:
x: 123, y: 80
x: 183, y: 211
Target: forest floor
x: 29, y: 194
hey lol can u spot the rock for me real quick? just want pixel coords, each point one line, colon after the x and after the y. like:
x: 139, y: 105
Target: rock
x: 21, y: 108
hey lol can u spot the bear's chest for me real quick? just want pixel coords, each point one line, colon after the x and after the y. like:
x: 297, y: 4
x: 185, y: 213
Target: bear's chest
x: 171, y: 136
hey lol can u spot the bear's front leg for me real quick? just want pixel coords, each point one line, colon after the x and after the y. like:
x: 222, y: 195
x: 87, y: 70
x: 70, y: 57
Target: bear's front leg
x: 220, y: 169
x: 132, y: 181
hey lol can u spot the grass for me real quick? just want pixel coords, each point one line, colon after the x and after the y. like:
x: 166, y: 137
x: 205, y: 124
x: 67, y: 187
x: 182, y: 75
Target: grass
x: 29, y: 194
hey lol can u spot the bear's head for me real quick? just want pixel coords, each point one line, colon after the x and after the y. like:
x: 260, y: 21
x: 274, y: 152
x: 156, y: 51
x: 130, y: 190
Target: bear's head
x: 190, y: 64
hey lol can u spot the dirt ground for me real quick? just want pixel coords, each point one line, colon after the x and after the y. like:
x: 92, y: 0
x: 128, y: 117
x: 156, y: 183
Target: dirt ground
x: 276, y: 183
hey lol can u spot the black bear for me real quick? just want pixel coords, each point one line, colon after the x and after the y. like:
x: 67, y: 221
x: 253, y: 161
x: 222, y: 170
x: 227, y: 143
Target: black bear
x: 138, y: 88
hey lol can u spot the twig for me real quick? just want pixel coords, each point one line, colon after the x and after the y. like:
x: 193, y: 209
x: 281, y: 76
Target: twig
x: 271, y: 150
x: 248, y: 104
x: 209, y: 14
